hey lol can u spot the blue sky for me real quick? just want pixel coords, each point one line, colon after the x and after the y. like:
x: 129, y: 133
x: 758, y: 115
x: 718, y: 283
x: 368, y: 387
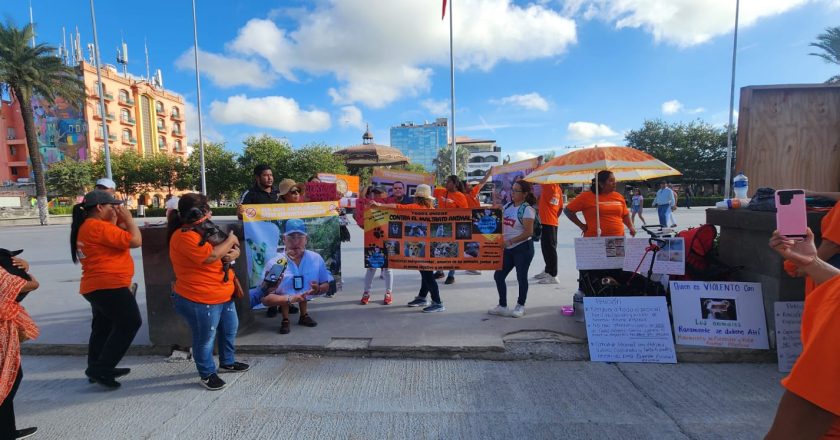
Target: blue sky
x: 535, y: 75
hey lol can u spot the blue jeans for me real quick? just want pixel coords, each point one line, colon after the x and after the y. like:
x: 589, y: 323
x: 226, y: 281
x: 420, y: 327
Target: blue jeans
x: 663, y: 211
x: 206, y: 321
x: 519, y: 257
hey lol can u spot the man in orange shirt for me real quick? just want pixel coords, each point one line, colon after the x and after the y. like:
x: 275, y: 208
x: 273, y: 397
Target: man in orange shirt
x: 810, y: 406
x: 549, y: 206
x: 452, y: 197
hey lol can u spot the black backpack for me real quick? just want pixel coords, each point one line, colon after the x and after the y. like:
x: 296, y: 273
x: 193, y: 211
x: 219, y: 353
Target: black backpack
x: 537, y: 233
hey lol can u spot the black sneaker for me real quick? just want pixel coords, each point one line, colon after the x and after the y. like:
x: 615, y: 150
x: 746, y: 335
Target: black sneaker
x: 307, y: 321
x: 271, y: 312
x: 236, y: 367
x: 116, y: 372
x: 213, y: 382
x: 25, y: 432
x: 449, y: 280
x: 105, y: 380
x: 285, y: 327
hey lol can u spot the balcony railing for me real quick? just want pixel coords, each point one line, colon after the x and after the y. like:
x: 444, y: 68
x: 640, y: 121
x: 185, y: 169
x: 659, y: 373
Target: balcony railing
x: 109, y: 96
x: 176, y: 116
x: 131, y: 140
x: 176, y: 133
x: 128, y: 121
x: 112, y: 137
x: 161, y: 112
x: 127, y: 101
x: 161, y: 145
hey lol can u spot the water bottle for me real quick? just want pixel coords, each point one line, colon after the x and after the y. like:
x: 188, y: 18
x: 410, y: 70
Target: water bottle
x: 740, y: 184
x: 728, y: 204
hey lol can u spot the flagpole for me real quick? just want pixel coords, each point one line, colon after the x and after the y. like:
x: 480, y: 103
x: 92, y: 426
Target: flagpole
x: 728, y: 181
x: 106, y: 148
x: 452, y: 93
x: 198, y: 96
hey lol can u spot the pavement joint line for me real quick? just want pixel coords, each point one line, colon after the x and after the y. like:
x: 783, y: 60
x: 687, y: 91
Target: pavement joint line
x: 653, y: 401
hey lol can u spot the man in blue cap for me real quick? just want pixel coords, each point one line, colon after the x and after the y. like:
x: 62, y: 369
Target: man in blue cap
x: 302, y: 275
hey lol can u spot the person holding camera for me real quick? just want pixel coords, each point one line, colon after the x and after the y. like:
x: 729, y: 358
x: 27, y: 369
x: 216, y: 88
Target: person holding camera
x: 102, y: 247
x: 203, y: 295
x: 15, y: 326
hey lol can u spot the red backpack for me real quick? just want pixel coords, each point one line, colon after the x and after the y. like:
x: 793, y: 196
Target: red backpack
x: 699, y: 243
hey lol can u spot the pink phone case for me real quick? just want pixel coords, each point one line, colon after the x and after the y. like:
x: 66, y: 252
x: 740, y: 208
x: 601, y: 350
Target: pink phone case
x: 791, y: 220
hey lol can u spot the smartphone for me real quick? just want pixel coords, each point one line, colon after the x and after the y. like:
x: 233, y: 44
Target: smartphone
x: 791, y: 220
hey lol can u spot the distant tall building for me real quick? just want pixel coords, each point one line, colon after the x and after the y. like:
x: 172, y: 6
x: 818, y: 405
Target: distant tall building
x: 420, y: 142
x: 484, y: 154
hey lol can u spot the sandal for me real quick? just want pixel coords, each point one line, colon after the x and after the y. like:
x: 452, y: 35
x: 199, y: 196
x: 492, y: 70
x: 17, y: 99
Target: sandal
x: 387, y: 299
x: 365, y: 298
x: 285, y: 327
x: 307, y: 321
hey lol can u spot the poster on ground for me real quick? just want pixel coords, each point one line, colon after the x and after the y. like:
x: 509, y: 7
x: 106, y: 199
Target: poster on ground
x: 469, y: 239
x: 595, y: 253
x: 629, y: 329
x: 264, y: 226
x: 670, y: 259
x: 788, y: 316
x: 719, y: 314
x: 387, y: 178
x: 504, y: 176
x: 342, y: 182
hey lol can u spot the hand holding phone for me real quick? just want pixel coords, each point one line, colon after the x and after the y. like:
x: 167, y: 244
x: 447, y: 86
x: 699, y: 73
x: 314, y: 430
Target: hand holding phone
x: 791, y: 219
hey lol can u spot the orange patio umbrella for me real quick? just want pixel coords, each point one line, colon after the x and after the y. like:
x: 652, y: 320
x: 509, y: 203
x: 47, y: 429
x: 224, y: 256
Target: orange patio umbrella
x: 580, y: 166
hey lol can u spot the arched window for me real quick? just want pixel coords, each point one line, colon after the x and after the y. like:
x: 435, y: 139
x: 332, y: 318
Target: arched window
x: 123, y: 95
x: 177, y: 128
x: 177, y: 145
x: 161, y: 124
x: 176, y: 112
x: 159, y: 106
x: 491, y: 159
x: 125, y: 115
x: 126, y: 135
x: 101, y: 131
x: 161, y: 143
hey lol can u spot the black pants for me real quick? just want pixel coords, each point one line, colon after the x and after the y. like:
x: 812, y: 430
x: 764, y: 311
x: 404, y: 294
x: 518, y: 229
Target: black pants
x: 116, y: 319
x: 548, y: 244
x: 518, y: 257
x: 428, y: 284
x: 7, y: 410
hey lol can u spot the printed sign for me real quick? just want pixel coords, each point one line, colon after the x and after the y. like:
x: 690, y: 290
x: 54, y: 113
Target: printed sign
x: 788, y: 332
x: 469, y: 239
x: 265, y: 225
x: 629, y: 329
x: 405, y: 181
x: 342, y: 182
x: 592, y: 253
x: 719, y: 314
x: 670, y: 259
x: 321, y: 192
x: 504, y: 176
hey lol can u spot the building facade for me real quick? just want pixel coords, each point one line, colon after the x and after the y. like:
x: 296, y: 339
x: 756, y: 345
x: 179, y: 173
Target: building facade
x: 420, y: 142
x: 484, y: 154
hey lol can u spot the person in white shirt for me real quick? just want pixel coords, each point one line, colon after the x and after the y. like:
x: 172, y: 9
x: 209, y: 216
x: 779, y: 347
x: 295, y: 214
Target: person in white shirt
x: 517, y: 228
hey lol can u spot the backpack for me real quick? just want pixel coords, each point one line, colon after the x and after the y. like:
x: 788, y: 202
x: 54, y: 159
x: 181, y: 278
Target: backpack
x: 701, y: 263
x: 537, y: 233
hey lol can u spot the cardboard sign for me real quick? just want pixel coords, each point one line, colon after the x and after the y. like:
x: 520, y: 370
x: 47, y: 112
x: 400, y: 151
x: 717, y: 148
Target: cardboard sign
x: 670, y: 259
x: 469, y: 239
x: 629, y: 329
x: 343, y: 182
x: 719, y: 314
x: 592, y: 253
x: 504, y: 176
x: 788, y: 332
x: 321, y: 192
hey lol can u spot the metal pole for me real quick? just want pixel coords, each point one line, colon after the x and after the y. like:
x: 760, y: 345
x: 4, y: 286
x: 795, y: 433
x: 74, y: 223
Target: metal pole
x: 452, y: 93
x: 32, y: 23
x: 102, y: 111
x: 728, y: 181
x: 198, y: 95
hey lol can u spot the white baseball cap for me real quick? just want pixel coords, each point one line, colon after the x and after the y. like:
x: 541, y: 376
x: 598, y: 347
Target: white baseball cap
x: 107, y: 183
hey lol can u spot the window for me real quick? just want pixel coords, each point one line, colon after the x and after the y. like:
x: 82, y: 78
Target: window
x: 14, y: 171
x: 176, y: 112
x: 177, y: 128
x: 161, y: 143
x: 101, y: 131
x: 126, y: 135
x: 125, y: 115
x: 159, y: 107
x: 123, y: 95
x: 177, y: 145
x: 161, y: 125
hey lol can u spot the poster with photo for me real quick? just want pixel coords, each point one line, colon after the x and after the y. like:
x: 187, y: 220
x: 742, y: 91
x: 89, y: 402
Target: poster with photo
x: 469, y: 239
x: 594, y: 253
x: 629, y: 329
x: 343, y: 182
x: 670, y: 259
x: 719, y: 314
x: 405, y: 181
x: 504, y: 176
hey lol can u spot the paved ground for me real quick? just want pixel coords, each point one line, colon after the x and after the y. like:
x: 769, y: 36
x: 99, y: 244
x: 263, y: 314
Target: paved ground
x: 307, y: 397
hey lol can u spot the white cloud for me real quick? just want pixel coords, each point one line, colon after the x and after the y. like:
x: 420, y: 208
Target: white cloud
x: 351, y: 116
x: 387, y: 52
x: 530, y: 101
x: 226, y: 71
x: 521, y: 155
x: 682, y: 23
x: 275, y: 112
x: 586, y: 131
x: 208, y: 131
x: 436, y: 108
x: 671, y: 107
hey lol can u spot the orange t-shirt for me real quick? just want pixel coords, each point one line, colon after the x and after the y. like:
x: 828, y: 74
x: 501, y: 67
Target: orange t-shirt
x: 613, y: 208
x: 472, y: 200
x: 103, y: 251
x: 550, y: 204
x: 830, y: 225
x: 194, y: 280
x: 448, y: 199
x: 814, y: 376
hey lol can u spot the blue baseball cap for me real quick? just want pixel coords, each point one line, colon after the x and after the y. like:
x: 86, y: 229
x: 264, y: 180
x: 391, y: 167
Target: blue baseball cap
x: 294, y: 226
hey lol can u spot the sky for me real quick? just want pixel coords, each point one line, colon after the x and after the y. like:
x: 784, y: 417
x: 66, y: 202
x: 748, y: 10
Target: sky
x: 536, y: 76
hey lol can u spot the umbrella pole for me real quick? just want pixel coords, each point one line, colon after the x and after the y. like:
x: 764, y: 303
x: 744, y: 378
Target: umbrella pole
x: 597, y: 207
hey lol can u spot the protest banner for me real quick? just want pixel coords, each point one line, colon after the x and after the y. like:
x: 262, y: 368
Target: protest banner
x: 387, y: 178
x: 788, y: 316
x: 321, y: 192
x: 594, y: 253
x: 468, y: 239
x: 343, y: 182
x: 719, y: 314
x: 504, y: 176
x: 670, y: 259
x: 629, y: 329
x: 264, y: 226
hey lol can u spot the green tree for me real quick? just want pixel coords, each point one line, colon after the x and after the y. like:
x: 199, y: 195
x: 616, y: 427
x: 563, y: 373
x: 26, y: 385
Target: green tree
x: 219, y: 169
x: 277, y: 153
x: 313, y: 159
x: 130, y: 172
x: 443, y: 162
x: 69, y: 177
x: 165, y: 171
x: 696, y: 149
x: 29, y: 71
x: 829, y: 42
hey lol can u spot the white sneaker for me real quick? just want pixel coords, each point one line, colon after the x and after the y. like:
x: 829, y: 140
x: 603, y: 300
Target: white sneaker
x: 499, y: 311
x: 541, y: 275
x: 549, y: 280
x: 518, y: 311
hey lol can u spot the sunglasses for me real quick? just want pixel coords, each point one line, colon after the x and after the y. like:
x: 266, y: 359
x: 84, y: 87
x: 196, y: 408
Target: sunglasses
x: 294, y: 191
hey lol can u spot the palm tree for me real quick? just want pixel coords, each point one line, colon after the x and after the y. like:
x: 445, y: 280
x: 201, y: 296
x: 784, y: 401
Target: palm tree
x: 829, y: 42
x: 35, y: 71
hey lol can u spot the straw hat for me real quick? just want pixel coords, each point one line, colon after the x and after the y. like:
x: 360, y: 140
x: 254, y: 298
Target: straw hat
x: 285, y: 186
x: 423, y: 191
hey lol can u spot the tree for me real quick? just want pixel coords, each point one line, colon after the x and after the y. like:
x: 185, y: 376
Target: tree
x: 443, y: 162
x: 829, y: 42
x: 69, y: 177
x: 165, y: 171
x: 277, y: 153
x: 220, y: 171
x: 30, y: 71
x: 696, y: 149
x: 130, y: 172
x: 312, y: 159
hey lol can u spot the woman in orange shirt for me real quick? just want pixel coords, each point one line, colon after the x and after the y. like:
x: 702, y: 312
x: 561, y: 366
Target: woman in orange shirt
x: 452, y: 197
x: 201, y: 295
x: 102, y: 248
